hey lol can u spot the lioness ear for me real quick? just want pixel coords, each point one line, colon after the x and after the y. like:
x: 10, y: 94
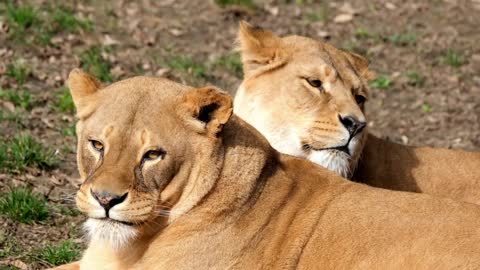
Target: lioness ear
x: 258, y: 47
x: 82, y: 85
x: 361, y: 65
x: 207, y: 109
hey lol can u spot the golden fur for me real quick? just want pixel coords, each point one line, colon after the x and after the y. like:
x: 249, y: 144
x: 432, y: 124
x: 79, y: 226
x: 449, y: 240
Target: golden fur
x: 297, y: 118
x: 275, y: 99
x: 219, y: 197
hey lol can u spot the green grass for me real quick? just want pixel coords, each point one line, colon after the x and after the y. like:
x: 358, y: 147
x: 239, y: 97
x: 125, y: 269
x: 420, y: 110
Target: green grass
x: 382, y: 82
x: 3, y: 155
x: 23, y: 205
x: 62, y: 253
x: 316, y: 16
x: 403, y: 39
x: 14, y: 117
x: 426, y: 108
x: 362, y: 33
x: 65, y: 20
x: 23, y: 151
x: 8, y: 267
x: 415, y: 78
x: 245, y: 3
x: 453, y: 58
x: 64, y: 210
x: 93, y: 62
x: 18, y: 71
x: 65, y: 102
x: 232, y: 63
x: 187, y: 65
x: 32, y: 26
x: 69, y: 131
x: 9, y: 247
x: 22, y: 17
x: 301, y: 2
x: 19, y: 98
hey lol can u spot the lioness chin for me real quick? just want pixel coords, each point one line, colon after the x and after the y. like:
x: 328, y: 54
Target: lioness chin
x: 171, y: 180
x: 307, y: 98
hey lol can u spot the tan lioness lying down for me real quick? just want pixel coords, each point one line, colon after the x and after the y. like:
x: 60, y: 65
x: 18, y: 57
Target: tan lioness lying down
x: 307, y: 98
x: 173, y: 180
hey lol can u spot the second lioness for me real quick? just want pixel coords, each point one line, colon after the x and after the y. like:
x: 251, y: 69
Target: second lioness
x: 307, y: 97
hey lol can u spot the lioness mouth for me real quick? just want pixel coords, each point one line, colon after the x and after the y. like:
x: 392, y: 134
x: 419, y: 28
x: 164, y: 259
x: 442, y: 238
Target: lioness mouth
x: 343, y: 148
x: 111, y: 220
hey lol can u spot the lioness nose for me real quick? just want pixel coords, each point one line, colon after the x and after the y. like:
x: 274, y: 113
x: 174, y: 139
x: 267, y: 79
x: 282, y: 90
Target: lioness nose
x: 352, y: 124
x: 108, y: 200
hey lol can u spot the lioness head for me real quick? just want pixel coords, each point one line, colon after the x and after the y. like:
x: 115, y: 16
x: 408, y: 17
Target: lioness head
x: 306, y: 97
x: 143, y: 143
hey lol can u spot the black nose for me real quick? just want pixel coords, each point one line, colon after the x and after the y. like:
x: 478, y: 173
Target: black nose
x: 108, y: 200
x: 352, y: 124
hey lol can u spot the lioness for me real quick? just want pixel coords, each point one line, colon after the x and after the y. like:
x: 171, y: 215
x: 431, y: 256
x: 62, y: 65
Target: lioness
x: 307, y: 98
x: 173, y: 181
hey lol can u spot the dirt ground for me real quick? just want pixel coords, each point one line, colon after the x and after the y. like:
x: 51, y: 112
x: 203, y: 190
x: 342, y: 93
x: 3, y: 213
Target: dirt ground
x: 426, y: 53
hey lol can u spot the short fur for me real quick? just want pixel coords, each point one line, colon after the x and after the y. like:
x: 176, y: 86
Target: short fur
x: 221, y: 198
x: 275, y: 99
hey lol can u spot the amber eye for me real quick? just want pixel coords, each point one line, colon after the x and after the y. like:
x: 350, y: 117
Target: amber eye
x: 360, y: 99
x: 315, y: 83
x: 154, y: 154
x: 97, y: 145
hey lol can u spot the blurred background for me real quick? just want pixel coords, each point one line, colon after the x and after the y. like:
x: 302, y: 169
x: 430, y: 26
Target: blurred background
x: 426, y: 55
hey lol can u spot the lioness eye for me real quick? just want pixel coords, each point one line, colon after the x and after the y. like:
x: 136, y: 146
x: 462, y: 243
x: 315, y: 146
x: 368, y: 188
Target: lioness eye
x: 315, y: 83
x: 97, y: 145
x: 153, y: 154
x: 360, y: 99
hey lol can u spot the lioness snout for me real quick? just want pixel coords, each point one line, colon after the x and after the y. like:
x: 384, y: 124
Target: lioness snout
x: 352, y: 124
x: 108, y: 200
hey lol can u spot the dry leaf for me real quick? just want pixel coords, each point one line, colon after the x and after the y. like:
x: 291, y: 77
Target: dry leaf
x: 109, y: 41
x: 19, y: 264
x: 176, y: 32
x: 162, y: 72
x: 404, y: 139
x: 390, y: 6
x: 343, y: 18
x: 8, y: 105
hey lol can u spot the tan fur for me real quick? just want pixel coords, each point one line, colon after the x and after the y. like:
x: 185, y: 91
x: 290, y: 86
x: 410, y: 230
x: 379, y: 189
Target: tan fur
x: 222, y: 198
x: 442, y: 172
x: 275, y: 101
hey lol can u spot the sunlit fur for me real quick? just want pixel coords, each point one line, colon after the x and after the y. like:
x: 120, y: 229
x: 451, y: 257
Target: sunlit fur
x: 277, y: 100
x: 116, y: 234
x: 221, y: 198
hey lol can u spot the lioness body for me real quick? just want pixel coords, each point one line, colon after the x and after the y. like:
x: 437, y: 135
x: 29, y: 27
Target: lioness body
x: 306, y: 122
x: 303, y: 217
x: 442, y: 172
x: 234, y: 202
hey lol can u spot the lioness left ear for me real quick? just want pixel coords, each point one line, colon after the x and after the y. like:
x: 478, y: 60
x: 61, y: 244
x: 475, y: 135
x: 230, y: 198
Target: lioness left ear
x: 259, y: 48
x: 361, y: 65
x: 207, y: 109
x: 82, y: 87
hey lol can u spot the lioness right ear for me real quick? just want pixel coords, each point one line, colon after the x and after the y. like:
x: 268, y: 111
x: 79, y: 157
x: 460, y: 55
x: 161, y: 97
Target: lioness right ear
x: 82, y: 86
x: 207, y: 110
x: 258, y: 47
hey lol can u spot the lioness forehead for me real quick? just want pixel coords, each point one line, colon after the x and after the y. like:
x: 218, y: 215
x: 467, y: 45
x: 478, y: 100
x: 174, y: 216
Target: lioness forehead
x: 311, y: 53
x: 139, y: 101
